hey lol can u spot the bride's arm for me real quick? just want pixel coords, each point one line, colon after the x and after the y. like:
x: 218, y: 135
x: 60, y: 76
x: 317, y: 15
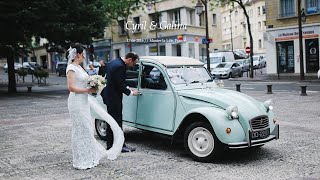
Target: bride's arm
x: 73, y: 88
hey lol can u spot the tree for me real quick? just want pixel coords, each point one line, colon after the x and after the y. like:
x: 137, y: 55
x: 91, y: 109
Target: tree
x: 61, y: 22
x: 243, y: 4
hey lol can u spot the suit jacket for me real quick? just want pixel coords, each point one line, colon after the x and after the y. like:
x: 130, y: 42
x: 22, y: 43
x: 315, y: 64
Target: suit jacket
x: 113, y: 93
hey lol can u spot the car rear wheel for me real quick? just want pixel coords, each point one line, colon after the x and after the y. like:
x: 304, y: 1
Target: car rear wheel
x: 101, y: 129
x: 201, y: 142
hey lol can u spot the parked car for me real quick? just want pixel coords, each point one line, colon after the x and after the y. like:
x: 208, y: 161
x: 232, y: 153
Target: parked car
x: 17, y: 66
x: 227, y: 70
x: 187, y: 105
x: 220, y: 57
x: 30, y: 66
x: 244, y: 64
x: 96, y: 66
x: 258, y: 62
x: 61, y: 68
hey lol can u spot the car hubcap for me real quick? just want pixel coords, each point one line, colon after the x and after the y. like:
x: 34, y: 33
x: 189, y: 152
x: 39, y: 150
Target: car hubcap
x: 200, y: 142
x: 102, y: 128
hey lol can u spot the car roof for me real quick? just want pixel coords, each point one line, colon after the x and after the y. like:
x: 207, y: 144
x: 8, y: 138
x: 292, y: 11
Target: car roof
x: 173, y: 60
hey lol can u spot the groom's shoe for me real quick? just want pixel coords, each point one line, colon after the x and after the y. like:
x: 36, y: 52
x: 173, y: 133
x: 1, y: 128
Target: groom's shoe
x: 126, y: 149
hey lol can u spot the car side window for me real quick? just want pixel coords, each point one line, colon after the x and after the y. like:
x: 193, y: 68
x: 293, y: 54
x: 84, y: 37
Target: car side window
x: 152, y: 78
x: 132, y: 75
x: 223, y: 59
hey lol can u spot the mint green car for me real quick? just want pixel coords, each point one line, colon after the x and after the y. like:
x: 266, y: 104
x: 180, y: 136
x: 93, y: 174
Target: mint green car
x: 180, y: 99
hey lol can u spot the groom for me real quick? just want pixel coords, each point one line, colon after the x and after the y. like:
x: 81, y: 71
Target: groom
x: 113, y: 92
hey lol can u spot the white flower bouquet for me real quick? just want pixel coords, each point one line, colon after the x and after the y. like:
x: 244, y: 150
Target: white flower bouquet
x: 97, y: 82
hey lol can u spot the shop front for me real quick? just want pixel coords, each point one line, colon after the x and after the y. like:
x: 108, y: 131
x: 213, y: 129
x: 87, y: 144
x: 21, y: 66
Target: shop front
x: 283, y: 50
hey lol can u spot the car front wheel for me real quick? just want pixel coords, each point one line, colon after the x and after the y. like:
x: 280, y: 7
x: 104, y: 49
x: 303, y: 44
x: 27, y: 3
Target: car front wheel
x: 101, y: 129
x: 201, y: 142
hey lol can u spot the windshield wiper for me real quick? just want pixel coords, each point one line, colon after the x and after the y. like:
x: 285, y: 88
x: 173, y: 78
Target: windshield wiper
x: 195, y: 81
x: 210, y: 80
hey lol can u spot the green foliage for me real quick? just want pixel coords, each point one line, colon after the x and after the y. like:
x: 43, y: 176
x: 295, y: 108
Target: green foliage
x: 22, y: 72
x: 41, y: 73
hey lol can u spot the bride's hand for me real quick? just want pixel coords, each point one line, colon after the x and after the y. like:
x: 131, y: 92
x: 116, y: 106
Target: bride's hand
x: 92, y: 90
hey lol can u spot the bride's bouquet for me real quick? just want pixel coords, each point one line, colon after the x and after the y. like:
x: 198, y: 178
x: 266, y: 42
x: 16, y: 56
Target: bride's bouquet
x: 97, y: 82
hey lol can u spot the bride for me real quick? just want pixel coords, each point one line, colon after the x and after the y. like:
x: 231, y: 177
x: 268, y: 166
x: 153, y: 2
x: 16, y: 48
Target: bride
x: 86, y: 150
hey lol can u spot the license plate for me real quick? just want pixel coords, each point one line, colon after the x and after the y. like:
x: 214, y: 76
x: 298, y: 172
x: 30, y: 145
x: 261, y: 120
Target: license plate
x: 260, y: 134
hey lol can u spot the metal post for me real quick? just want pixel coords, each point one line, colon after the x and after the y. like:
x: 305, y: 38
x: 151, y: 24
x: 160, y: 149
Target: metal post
x: 303, y: 90
x: 238, y: 87
x: 300, y: 42
x: 231, y: 31
x: 207, y: 35
x: 269, y: 87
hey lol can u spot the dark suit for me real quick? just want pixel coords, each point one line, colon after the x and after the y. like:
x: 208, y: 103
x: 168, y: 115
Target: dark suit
x: 113, y: 93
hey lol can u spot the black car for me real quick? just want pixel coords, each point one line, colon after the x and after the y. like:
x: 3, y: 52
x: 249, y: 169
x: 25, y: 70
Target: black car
x: 61, y: 68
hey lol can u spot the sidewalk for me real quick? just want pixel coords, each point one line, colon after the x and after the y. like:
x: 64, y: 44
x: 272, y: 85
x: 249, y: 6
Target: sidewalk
x: 263, y: 76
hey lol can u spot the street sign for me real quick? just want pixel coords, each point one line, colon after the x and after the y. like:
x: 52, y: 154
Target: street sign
x: 248, y: 49
x: 206, y: 41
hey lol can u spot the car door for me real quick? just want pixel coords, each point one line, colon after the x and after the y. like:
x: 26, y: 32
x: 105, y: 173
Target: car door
x: 156, y: 104
x: 130, y: 103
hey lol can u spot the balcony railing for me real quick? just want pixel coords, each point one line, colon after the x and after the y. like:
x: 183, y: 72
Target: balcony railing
x: 313, y: 7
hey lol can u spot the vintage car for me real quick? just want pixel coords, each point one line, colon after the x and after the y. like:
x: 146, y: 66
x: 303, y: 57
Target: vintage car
x: 185, y: 103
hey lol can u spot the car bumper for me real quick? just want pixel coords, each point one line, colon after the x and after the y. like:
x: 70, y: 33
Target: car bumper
x: 251, y: 143
x: 220, y: 75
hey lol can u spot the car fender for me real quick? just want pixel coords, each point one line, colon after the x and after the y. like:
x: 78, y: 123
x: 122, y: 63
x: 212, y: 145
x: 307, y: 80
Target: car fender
x: 220, y: 122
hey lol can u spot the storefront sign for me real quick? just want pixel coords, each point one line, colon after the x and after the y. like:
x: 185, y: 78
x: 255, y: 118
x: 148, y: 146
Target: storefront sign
x: 291, y: 34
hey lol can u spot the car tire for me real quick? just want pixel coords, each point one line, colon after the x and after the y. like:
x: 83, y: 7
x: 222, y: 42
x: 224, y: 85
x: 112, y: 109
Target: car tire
x: 101, y: 129
x: 201, y: 143
x: 230, y: 75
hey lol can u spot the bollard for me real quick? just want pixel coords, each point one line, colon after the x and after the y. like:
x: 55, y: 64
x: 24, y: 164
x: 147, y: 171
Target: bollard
x: 269, y: 89
x: 29, y: 89
x: 303, y: 90
x: 238, y: 87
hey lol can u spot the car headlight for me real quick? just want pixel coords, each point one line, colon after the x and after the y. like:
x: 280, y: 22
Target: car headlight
x: 232, y: 112
x: 225, y: 72
x: 268, y: 104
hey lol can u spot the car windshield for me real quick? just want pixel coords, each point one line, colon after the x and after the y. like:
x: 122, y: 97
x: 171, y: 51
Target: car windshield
x: 215, y: 60
x: 239, y: 62
x: 188, y: 75
x: 255, y: 58
x: 224, y: 65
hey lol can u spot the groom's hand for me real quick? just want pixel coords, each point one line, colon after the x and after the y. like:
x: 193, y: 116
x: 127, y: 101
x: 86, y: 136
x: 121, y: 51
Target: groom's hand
x: 135, y: 92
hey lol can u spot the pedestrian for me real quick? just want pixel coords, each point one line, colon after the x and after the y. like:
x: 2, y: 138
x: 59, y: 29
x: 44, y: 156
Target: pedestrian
x: 92, y: 70
x: 113, y: 92
x: 86, y: 151
x: 102, y: 68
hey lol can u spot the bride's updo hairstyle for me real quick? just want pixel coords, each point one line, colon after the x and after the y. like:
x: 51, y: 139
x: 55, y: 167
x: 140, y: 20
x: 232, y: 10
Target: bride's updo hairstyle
x: 73, y: 51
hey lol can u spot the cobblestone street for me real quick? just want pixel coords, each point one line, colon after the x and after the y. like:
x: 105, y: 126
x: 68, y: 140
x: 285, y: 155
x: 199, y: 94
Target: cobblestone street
x: 35, y: 143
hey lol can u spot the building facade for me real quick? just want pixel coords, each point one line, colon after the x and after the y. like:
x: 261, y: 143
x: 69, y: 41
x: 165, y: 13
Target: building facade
x: 178, y: 31
x: 282, y: 36
x: 235, y: 29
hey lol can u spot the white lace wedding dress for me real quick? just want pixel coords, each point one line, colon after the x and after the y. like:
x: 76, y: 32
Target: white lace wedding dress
x: 86, y: 150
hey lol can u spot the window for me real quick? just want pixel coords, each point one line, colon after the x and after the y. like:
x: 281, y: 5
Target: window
x: 287, y: 8
x: 264, y: 24
x: 176, y: 17
x: 121, y: 27
x: 259, y: 26
x: 155, y: 18
x: 214, y: 19
x: 192, y: 17
x: 152, y: 78
x: 313, y: 6
x: 162, y: 50
x: 260, y: 43
x: 136, y: 21
x: 202, y: 20
x: 263, y: 10
x: 259, y: 11
x: 132, y: 75
x: 225, y: 19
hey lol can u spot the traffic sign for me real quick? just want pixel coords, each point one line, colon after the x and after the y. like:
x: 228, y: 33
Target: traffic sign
x: 248, y: 49
x: 206, y: 41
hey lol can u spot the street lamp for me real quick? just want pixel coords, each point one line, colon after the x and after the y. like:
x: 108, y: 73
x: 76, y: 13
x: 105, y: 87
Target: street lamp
x: 301, y: 18
x: 199, y: 11
x: 231, y: 30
